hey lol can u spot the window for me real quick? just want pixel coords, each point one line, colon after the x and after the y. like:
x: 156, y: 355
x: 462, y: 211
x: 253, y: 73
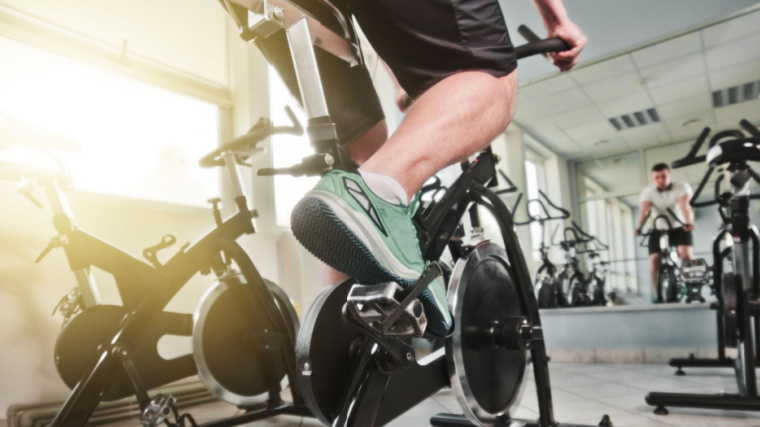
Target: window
x: 287, y: 150
x: 535, y: 179
x: 136, y: 140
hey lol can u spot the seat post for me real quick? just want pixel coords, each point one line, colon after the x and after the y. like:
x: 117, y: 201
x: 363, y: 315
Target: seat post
x: 320, y: 127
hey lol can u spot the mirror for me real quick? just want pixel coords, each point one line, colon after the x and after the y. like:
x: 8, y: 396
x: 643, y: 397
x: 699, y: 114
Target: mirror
x: 614, y: 119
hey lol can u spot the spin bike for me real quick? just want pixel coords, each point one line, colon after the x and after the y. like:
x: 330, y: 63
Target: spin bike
x: 670, y: 287
x: 354, y: 363
x: 545, y: 284
x: 570, y: 280
x: 108, y: 352
x: 596, y: 270
x: 738, y: 286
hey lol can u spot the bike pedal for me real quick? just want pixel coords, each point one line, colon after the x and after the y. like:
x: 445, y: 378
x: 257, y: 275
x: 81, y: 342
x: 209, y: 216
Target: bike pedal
x: 374, y: 304
x: 157, y: 411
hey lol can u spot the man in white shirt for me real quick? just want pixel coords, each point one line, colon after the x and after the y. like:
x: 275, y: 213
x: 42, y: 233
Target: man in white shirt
x: 667, y: 198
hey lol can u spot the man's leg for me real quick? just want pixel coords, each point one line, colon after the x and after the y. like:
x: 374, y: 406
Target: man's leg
x: 685, y: 252
x: 359, y: 150
x: 454, y: 119
x: 654, y: 271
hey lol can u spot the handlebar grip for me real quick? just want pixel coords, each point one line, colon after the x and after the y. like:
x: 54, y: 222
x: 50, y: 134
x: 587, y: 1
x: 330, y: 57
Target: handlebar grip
x: 692, y: 158
x: 554, y: 44
x: 565, y: 213
x: 749, y: 127
x: 730, y: 133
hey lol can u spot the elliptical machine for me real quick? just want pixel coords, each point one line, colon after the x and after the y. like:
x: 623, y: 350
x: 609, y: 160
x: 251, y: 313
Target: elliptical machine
x: 738, y: 287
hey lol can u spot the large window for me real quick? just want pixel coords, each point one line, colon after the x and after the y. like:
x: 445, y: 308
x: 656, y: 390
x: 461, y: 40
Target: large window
x: 136, y: 140
x: 535, y: 179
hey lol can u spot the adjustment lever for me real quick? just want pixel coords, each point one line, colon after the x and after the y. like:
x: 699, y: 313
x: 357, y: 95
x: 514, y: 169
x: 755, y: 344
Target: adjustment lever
x: 151, y: 253
x: 55, y: 242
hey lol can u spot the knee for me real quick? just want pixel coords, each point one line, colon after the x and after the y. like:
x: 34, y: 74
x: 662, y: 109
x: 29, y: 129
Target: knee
x: 685, y: 252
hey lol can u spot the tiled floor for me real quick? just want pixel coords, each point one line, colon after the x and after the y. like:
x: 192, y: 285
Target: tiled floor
x: 582, y: 394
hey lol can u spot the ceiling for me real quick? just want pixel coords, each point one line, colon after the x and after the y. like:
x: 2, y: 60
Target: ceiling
x: 570, y: 112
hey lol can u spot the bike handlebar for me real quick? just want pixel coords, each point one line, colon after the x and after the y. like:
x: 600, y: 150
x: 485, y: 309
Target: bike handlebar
x: 536, y: 45
x: 564, y: 214
x: 692, y: 158
x: 260, y: 131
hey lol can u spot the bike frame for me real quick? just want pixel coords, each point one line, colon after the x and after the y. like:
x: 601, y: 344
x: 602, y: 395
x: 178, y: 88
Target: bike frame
x: 145, y: 291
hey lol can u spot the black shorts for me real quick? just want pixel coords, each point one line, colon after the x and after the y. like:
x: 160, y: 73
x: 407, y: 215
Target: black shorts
x: 350, y: 95
x: 425, y: 41
x: 676, y: 237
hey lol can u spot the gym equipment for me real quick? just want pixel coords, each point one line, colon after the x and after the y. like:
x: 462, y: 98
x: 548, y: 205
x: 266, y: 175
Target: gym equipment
x: 108, y: 352
x: 670, y: 287
x: 571, y: 279
x: 596, y: 270
x: 548, y: 291
x: 737, y: 287
x: 354, y: 363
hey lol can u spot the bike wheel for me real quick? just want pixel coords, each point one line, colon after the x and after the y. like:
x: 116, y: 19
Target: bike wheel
x: 730, y: 304
x: 544, y: 288
x: 668, y: 284
x: 576, y: 295
x: 561, y: 288
x: 237, y: 349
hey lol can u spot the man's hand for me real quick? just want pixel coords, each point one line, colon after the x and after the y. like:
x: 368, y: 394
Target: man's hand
x: 688, y: 227
x: 637, y: 232
x: 573, y: 35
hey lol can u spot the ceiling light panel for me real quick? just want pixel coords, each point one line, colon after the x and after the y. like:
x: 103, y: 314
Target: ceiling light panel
x: 744, y: 92
x: 635, y: 119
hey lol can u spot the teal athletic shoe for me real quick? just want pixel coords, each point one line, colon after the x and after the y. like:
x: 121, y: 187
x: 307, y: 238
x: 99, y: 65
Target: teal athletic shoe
x: 343, y: 223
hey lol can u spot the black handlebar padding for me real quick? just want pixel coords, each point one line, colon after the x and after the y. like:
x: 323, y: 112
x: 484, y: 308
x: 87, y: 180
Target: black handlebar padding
x: 554, y: 44
x: 749, y: 127
x: 729, y: 133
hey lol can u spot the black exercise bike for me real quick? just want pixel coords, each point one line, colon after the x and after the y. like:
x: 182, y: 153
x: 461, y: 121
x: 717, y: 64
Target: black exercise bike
x: 548, y: 290
x: 355, y: 363
x: 737, y: 283
x: 108, y: 352
x: 670, y: 284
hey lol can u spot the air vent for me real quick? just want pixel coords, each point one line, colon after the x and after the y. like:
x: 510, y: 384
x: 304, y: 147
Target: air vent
x: 635, y: 119
x: 736, y: 94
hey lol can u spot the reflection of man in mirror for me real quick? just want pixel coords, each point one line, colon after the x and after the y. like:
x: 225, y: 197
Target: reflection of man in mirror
x: 667, y: 198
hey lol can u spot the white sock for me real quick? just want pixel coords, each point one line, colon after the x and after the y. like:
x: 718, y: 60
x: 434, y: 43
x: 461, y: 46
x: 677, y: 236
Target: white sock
x: 385, y: 187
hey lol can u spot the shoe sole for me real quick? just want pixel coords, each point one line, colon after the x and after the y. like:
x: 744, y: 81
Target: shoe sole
x: 320, y: 231
x: 327, y: 237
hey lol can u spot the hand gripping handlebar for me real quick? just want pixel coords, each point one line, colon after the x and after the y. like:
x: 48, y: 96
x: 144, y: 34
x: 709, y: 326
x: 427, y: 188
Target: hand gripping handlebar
x: 537, y: 46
